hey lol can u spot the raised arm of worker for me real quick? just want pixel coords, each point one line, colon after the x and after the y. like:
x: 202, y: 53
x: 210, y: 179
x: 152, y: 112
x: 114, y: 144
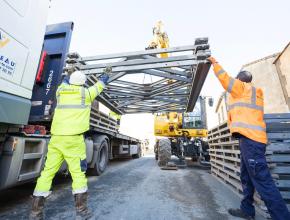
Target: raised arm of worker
x: 99, y: 86
x: 233, y: 86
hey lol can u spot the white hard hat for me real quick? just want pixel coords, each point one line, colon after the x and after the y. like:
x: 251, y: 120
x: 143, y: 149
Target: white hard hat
x: 77, y: 78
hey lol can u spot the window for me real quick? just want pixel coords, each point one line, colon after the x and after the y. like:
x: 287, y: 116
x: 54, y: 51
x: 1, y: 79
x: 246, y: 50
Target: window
x: 193, y: 119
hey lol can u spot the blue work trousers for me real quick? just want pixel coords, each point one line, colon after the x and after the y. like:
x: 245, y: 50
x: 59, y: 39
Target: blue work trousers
x: 255, y: 174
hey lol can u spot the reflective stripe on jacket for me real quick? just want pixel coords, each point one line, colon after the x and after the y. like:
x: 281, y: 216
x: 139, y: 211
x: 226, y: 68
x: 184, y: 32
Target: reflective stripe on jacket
x: 245, y: 107
x: 72, y: 113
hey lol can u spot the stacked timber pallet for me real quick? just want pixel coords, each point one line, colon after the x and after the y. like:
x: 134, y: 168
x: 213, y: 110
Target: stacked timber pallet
x: 225, y: 154
x: 278, y: 151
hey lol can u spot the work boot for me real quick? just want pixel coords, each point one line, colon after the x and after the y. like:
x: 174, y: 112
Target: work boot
x: 82, y: 211
x: 37, y: 208
x: 239, y: 213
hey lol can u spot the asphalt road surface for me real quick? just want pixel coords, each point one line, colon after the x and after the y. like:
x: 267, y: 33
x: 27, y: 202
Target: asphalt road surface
x: 133, y: 190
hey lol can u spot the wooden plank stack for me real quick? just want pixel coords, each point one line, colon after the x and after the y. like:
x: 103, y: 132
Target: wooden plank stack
x: 225, y: 155
x: 278, y: 151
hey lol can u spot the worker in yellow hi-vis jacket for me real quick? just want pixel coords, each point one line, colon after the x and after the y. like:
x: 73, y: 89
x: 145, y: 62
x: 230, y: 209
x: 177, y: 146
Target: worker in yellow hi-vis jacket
x: 70, y: 121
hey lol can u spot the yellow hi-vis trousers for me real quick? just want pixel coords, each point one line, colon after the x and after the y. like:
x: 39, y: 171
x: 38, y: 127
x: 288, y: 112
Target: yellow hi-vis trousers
x: 72, y: 149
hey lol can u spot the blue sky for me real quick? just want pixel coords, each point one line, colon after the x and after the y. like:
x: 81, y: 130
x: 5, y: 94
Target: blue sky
x: 239, y: 31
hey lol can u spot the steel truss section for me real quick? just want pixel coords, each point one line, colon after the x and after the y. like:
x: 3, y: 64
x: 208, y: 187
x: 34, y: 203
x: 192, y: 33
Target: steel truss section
x: 175, y: 85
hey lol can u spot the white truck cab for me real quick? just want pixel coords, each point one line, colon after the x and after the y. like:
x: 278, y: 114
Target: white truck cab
x: 22, y: 27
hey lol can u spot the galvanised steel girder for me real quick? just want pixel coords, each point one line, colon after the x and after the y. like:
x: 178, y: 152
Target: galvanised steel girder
x: 126, y: 89
x: 168, y: 88
x: 139, y: 62
x: 120, y: 82
x: 203, y: 45
x: 167, y: 100
x: 197, y: 83
x: 116, y: 93
x: 167, y: 75
x: 138, y: 67
x: 175, y: 85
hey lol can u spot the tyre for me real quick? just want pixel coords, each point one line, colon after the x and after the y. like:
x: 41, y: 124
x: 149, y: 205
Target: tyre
x: 164, y: 152
x: 101, y: 158
x: 194, y: 158
x: 156, y: 156
x: 156, y: 150
x: 205, y: 151
x: 136, y: 156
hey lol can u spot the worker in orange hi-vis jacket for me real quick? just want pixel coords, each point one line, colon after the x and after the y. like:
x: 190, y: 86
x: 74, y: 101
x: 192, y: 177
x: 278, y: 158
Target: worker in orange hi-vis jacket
x: 246, y: 113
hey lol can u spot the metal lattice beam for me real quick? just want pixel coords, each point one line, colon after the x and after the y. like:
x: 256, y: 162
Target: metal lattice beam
x: 175, y: 85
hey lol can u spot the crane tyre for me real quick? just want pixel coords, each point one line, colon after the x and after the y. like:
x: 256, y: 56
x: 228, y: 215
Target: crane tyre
x: 164, y: 152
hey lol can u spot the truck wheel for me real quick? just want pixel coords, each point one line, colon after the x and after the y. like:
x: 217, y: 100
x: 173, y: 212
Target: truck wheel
x: 136, y: 156
x: 164, y: 152
x: 102, y: 159
x: 156, y: 156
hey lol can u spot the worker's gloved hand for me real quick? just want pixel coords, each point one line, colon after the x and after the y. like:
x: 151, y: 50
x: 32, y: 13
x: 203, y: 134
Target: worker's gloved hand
x: 212, y: 60
x: 104, y: 78
x: 108, y: 70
